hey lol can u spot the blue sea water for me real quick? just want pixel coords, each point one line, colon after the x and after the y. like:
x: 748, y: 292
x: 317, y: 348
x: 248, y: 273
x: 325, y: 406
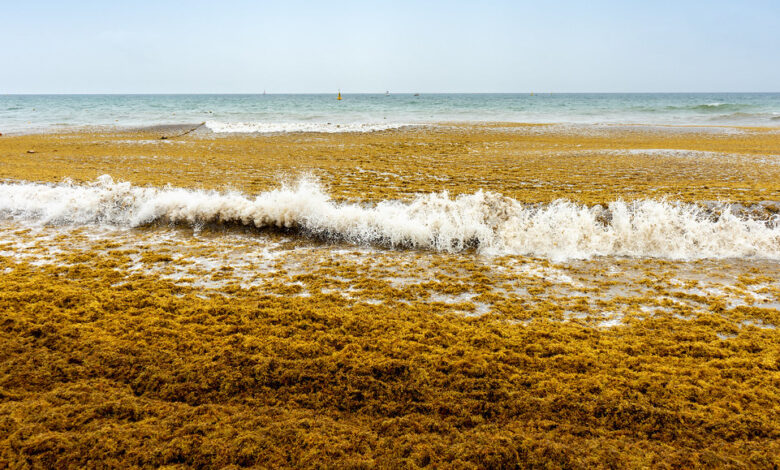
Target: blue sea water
x: 365, y: 112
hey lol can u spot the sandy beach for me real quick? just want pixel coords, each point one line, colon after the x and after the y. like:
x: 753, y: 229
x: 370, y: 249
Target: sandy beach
x: 219, y: 337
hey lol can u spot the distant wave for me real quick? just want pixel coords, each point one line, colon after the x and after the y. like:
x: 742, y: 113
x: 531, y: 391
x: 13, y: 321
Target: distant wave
x: 489, y: 222
x: 279, y: 127
x: 712, y: 107
x: 718, y: 112
x: 745, y: 117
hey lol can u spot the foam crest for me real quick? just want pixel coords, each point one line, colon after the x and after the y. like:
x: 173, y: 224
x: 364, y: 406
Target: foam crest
x: 279, y: 127
x: 492, y: 223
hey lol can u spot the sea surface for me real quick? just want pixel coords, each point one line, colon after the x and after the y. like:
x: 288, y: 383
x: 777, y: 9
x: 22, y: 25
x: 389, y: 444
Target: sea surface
x: 368, y: 112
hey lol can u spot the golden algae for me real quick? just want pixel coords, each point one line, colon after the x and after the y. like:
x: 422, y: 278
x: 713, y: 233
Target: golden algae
x: 220, y: 345
x: 364, y: 357
x: 151, y: 373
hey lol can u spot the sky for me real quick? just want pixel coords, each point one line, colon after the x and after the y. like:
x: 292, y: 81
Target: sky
x: 403, y: 46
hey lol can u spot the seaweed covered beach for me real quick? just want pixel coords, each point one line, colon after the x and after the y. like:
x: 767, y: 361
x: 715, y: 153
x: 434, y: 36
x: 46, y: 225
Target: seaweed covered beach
x: 492, y: 295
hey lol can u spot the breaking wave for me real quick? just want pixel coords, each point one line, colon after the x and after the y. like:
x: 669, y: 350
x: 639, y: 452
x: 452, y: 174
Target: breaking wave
x: 720, y: 107
x: 279, y: 127
x: 489, y: 222
x: 711, y: 107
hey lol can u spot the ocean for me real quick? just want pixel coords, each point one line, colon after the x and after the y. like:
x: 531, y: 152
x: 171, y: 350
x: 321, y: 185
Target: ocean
x: 368, y: 112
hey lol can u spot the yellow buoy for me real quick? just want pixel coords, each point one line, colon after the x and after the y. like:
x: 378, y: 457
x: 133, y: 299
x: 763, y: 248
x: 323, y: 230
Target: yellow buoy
x: 339, y: 97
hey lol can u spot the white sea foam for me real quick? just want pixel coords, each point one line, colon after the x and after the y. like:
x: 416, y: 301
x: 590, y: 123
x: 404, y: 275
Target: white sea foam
x: 279, y: 127
x: 493, y: 223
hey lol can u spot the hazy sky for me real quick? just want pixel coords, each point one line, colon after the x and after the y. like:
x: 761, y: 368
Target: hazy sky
x: 402, y: 46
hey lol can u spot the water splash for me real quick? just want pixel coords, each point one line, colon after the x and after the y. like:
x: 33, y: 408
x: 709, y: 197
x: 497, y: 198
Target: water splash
x: 489, y: 222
